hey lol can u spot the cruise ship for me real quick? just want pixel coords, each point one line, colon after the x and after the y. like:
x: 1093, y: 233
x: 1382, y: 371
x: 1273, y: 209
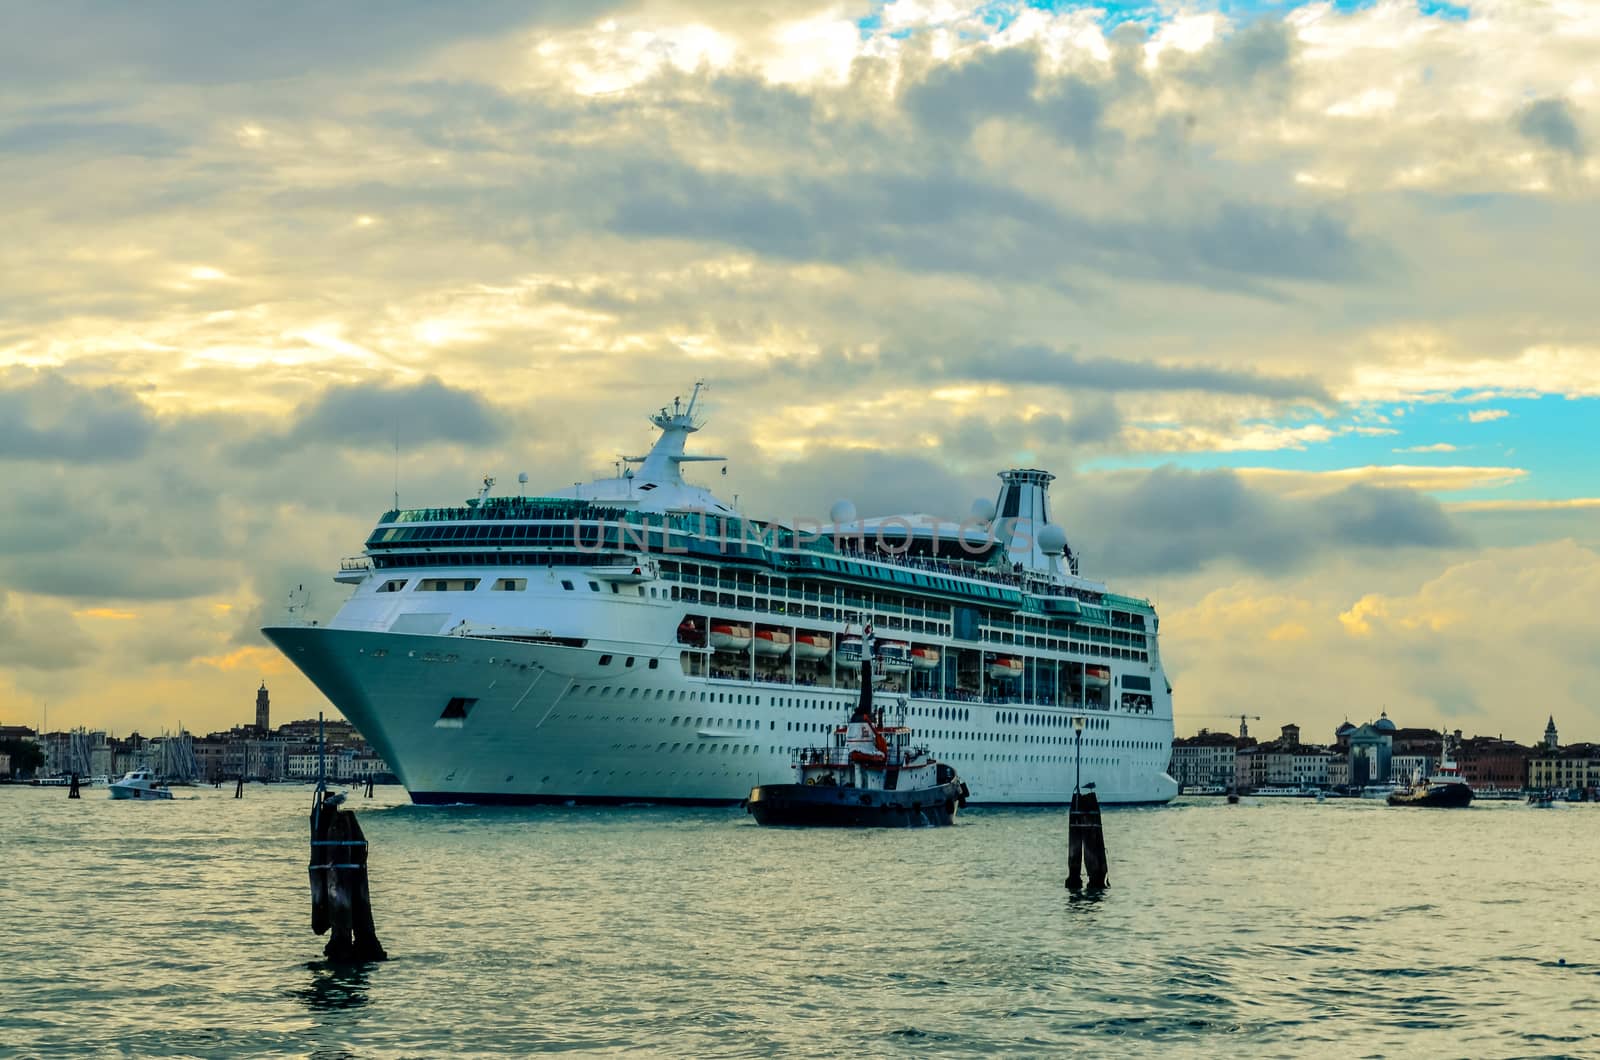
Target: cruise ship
x: 637, y: 639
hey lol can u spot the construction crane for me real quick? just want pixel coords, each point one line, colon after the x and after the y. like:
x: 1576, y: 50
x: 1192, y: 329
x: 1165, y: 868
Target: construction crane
x: 1244, y: 729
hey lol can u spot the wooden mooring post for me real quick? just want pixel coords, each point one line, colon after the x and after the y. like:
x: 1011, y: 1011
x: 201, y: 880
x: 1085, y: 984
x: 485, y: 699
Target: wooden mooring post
x: 73, y: 794
x: 1086, y: 842
x: 341, y: 903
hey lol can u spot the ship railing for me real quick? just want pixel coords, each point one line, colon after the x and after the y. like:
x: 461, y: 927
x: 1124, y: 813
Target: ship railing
x: 356, y: 563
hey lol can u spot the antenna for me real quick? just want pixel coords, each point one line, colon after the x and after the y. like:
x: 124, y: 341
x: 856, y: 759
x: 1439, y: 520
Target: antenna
x: 522, y: 483
x: 396, y: 465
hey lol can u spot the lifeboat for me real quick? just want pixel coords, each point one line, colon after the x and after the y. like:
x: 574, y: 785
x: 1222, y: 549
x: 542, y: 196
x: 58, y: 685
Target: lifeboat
x: 773, y: 642
x: 727, y: 636
x: 1097, y: 676
x: 849, y: 649
x: 812, y: 645
x: 924, y: 657
x: 1005, y: 668
x: 689, y: 632
x: 894, y: 655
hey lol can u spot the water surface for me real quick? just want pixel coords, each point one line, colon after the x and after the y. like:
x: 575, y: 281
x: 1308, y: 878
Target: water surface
x: 1279, y: 928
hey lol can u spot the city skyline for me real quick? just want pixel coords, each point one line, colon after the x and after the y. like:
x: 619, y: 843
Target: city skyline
x: 1291, y: 297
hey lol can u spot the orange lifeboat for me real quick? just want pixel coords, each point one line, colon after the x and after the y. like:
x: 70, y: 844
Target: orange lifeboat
x: 924, y: 657
x: 1005, y: 668
x: 729, y: 636
x: 1097, y: 676
x: 812, y: 645
x: 772, y: 642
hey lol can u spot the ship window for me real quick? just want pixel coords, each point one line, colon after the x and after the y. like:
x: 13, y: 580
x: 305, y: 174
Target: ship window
x: 594, y: 587
x: 605, y: 660
x: 566, y: 585
x: 511, y: 585
x: 654, y: 663
x: 629, y: 661
x: 393, y: 585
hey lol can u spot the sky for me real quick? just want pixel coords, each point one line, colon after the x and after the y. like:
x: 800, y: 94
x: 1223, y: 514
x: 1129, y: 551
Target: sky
x: 1295, y: 299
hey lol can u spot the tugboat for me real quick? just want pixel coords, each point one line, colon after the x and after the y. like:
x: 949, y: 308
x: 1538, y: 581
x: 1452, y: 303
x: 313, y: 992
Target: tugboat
x: 870, y: 777
x: 1446, y: 788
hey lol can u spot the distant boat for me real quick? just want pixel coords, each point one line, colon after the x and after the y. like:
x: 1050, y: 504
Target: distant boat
x: 139, y: 784
x: 1446, y: 789
x: 1540, y: 800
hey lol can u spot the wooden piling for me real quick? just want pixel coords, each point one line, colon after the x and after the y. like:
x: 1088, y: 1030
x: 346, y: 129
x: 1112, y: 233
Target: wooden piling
x: 341, y: 903
x: 73, y: 794
x: 1086, y: 843
x: 238, y: 791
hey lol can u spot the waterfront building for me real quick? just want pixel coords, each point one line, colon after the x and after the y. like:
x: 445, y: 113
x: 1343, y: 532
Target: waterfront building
x: 1206, y: 759
x: 1489, y: 763
x: 1339, y: 770
x: 1574, y: 766
x: 1371, y: 747
x: 1284, y: 762
x: 5, y: 763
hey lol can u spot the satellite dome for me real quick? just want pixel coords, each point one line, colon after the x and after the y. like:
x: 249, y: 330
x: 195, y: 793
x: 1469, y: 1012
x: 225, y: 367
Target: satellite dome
x: 1383, y: 724
x: 842, y: 512
x: 1052, y: 540
x: 983, y: 510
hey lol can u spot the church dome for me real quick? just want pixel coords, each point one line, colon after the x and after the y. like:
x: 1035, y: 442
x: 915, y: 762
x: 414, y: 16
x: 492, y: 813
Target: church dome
x: 1345, y: 728
x: 1383, y: 724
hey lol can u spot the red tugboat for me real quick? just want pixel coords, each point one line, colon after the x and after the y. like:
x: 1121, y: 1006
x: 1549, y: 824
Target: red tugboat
x: 871, y: 776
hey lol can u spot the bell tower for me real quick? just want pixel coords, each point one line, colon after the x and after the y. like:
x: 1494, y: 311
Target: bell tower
x: 1551, y: 740
x: 262, y: 712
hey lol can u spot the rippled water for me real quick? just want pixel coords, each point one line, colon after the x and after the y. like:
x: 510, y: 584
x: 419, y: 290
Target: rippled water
x: 1280, y: 928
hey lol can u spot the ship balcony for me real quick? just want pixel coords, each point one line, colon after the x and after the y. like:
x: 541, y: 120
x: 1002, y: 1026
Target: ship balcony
x: 353, y: 570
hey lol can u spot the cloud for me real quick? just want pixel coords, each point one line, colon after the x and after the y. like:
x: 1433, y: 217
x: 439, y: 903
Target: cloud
x: 40, y: 635
x: 908, y: 252
x: 1441, y: 643
x: 45, y: 417
x: 1486, y: 415
x: 373, y: 414
x: 1423, y: 478
x: 1171, y: 521
x: 1436, y: 447
x: 1551, y: 122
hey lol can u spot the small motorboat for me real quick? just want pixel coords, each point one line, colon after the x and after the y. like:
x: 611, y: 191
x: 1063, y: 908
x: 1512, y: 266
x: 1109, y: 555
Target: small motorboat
x: 1540, y: 800
x: 139, y: 784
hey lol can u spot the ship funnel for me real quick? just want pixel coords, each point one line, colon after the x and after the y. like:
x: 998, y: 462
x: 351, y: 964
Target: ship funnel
x: 1022, y: 515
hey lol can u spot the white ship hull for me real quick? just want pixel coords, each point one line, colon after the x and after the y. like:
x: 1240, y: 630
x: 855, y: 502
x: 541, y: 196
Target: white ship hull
x: 550, y: 724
